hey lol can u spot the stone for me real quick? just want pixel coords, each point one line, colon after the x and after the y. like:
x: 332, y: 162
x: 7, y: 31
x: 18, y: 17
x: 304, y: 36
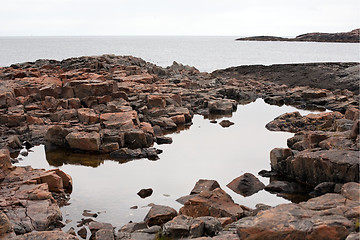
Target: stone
x: 212, y: 226
x: 163, y: 140
x: 104, y: 234
x: 159, y: 215
x: 136, y: 138
x: 285, y: 187
x: 178, y: 227
x: 278, y: 157
x: 355, y: 130
x: 156, y: 101
x: 14, y: 142
x: 144, y: 193
x: 223, y: 106
x: 86, y: 141
x: 315, y: 167
x: 226, y: 123
x: 46, y: 235
x: 56, y: 135
x: 120, y: 120
x: 5, y: 224
x: 88, y: 116
x: 351, y: 191
x: 246, y: 185
x: 82, y: 232
x: 204, y: 185
x: 215, y: 203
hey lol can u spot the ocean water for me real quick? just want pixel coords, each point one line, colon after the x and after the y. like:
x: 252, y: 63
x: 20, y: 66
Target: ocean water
x: 205, y: 53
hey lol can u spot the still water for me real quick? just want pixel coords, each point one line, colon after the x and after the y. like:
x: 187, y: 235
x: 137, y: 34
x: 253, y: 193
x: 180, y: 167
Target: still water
x: 205, y: 151
x: 205, y: 53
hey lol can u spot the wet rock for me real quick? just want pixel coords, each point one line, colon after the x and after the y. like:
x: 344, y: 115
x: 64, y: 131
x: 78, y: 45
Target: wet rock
x: 246, y: 185
x: 285, y: 187
x: 226, y: 123
x: 159, y: 215
x: 56, y: 135
x: 215, y: 203
x: 132, y: 227
x: 82, y: 232
x: 204, y: 185
x: 314, y: 167
x: 163, y: 140
x: 322, y: 217
x: 126, y: 153
x: 86, y: 141
x: 144, y: 193
x: 46, y: 235
x: 223, y: 106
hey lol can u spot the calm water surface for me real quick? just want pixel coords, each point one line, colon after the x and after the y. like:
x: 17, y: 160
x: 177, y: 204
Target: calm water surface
x: 205, y: 151
x: 205, y: 53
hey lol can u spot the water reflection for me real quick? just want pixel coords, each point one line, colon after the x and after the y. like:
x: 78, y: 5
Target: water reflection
x: 207, y: 151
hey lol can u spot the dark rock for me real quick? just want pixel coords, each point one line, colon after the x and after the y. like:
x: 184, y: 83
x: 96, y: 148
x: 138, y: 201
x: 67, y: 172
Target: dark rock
x: 163, y: 140
x: 82, y: 232
x: 56, y: 135
x: 144, y: 193
x: 226, y: 123
x: 159, y: 215
x: 285, y: 187
x: 266, y: 173
x: 204, y: 185
x: 212, y: 226
x: 246, y: 185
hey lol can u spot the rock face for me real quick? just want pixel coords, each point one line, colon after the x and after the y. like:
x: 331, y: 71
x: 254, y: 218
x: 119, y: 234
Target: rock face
x: 351, y: 37
x: 331, y: 216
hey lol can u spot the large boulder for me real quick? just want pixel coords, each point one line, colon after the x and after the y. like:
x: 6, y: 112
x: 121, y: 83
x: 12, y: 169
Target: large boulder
x: 215, y: 203
x: 86, y: 141
x: 159, y: 215
x: 314, y: 167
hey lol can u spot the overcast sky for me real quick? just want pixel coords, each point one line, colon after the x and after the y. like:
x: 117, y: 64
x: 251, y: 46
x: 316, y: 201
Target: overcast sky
x: 168, y: 17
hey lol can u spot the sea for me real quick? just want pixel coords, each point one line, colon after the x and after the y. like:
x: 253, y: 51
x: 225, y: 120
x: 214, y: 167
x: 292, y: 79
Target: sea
x: 204, y: 53
x: 204, y: 151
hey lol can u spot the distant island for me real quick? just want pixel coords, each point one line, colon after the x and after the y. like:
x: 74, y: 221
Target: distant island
x: 349, y: 37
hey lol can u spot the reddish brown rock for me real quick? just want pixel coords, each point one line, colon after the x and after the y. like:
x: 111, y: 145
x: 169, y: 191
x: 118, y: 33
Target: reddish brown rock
x: 204, y: 185
x: 88, y: 116
x: 156, y: 101
x: 159, y: 215
x: 56, y: 135
x: 84, y: 141
x: 47, y: 235
x: 246, y: 185
x: 215, y: 203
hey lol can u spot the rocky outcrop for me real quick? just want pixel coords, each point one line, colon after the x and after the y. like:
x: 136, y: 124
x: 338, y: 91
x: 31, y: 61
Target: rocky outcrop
x: 331, y: 216
x: 349, y: 37
x: 27, y: 197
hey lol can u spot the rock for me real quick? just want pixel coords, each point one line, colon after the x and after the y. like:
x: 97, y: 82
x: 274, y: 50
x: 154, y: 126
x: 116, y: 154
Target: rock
x: 246, y: 185
x: 223, y: 106
x: 278, y: 157
x: 86, y: 141
x: 82, y: 232
x: 88, y: 116
x: 226, y: 123
x: 5, y: 162
x: 314, y: 167
x: 132, y: 227
x: 56, y: 135
x: 156, y: 101
x: 204, y: 185
x: 323, y: 188
x: 120, y: 120
x: 285, y: 187
x: 14, y: 142
x: 136, y: 138
x: 353, y: 236
x: 215, y: 203
x: 355, y: 130
x: 163, y: 140
x: 5, y: 224
x: 212, y: 226
x: 352, y: 113
x: 144, y: 193
x: 104, y: 234
x: 159, y: 215
x: 46, y: 235
x: 351, y: 191
x: 94, y: 227
x: 178, y: 227
x: 126, y: 153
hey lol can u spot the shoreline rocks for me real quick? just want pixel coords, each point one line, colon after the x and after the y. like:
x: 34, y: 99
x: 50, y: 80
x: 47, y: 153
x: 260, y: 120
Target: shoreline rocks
x: 118, y: 107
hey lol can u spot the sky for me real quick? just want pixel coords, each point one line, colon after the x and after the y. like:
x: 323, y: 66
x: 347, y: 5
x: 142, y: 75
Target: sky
x: 169, y: 17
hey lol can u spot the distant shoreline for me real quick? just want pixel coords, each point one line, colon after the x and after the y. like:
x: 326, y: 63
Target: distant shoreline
x: 344, y: 37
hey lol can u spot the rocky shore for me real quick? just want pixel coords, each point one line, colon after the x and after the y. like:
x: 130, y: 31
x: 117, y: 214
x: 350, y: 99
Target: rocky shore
x: 118, y: 107
x: 347, y: 37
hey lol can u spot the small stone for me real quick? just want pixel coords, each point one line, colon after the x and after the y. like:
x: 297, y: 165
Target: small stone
x: 226, y: 123
x: 144, y: 193
x: 82, y: 232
